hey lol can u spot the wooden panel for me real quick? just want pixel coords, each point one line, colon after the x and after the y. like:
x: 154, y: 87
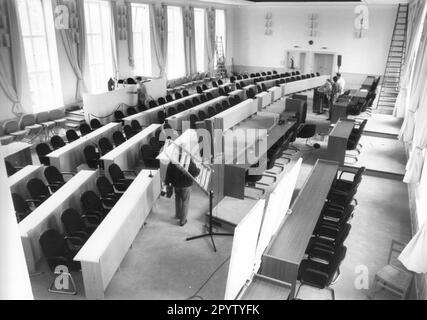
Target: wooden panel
x: 214, y: 91
x: 104, y: 251
x: 17, y: 153
x: 229, y: 118
x: 70, y: 156
x: 128, y: 154
x: 18, y: 181
x: 48, y: 214
x: 234, y: 181
x: 237, y: 92
x: 306, y: 84
x: 264, y: 99
x: 337, y: 141
x: 276, y: 93
x: 265, y: 288
x: 287, y: 248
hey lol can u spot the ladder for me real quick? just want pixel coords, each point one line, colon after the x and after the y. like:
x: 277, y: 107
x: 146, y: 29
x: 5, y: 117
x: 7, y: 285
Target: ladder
x: 396, y: 57
x: 220, y: 71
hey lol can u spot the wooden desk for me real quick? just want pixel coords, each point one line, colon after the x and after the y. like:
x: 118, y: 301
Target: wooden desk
x: 102, y: 254
x: 337, y: 141
x: 150, y: 116
x: 276, y: 93
x: 18, y: 181
x: 265, y: 288
x: 368, y: 83
x: 128, y: 154
x: 264, y: 99
x: 48, y: 214
x: 302, y: 85
x: 70, y: 156
x: 17, y: 153
x: 286, y: 250
x: 175, y: 121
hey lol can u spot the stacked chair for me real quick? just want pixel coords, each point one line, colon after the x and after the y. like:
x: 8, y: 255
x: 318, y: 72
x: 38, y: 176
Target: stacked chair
x: 326, y: 250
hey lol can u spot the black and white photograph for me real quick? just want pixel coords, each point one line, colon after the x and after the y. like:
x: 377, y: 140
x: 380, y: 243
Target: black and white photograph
x: 203, y: 153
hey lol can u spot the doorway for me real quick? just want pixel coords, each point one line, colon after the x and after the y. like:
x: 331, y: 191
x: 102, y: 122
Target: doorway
x: 323, y: 63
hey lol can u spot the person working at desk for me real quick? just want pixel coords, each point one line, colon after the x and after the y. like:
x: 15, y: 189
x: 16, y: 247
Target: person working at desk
x: 335, y: 92
x: 341, y: 82
x: 182, y: 183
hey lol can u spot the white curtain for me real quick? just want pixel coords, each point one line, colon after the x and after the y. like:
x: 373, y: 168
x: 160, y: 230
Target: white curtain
x: 115, y: 37
x: 210, y: 37
x: 75, y: 46
x: 131, y: 56
x: 417, y: 14
x: 414, y: 256
x: 189, y: 41
x: 416, y: 90
x: 159, y: 35
x: 12, y: 85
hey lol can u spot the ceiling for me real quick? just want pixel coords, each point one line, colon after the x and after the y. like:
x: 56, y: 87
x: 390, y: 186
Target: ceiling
x: 304, y: 2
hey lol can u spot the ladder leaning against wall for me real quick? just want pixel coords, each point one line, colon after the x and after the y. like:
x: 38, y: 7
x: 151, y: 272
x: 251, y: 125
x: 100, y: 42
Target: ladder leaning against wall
x: 220, y: 71
x: 396, y: 57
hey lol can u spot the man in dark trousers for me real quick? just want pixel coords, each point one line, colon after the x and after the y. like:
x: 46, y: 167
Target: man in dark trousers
x: 182, y: 183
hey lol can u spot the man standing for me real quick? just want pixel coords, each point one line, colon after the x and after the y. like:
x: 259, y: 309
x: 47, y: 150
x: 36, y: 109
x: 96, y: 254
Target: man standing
x: 341, y: 82
x: 182, y: 183
x: 335, y: 92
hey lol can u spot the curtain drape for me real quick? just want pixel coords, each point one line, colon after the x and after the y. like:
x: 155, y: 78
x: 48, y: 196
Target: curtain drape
x: 115, y: 37
x: 159, y: 35
x: 210, y: 37
x: 189, y: 41
x: 131, y: 56
x: 414, y: 255
x: 74, y: 42
x: 417, y: 14
x: 12, y: 85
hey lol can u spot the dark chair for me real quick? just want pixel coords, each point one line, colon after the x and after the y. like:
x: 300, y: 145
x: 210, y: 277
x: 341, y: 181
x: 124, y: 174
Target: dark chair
x: 92, y: 157
x: 178, y: 95
x: 39, y: 192
x: 245, y: 76
x: 188, y: 104
x: 108, y: 195
x: 218, y: 108
x: 214, y: 84
x: 131, y: 111
x: 60, y: 250
x: 193, y: 120
x: 95, y: 124
x: 79, y: 226
x: 237, y: 99
x: 185, y: 93
x: 225, y: 105
x: 22, y: 209
x: 136, y: 127
x: 181, y: 107
x: 118, y: 138
x: 120, y: 182
x: 92, y: 205
x: 129, y: 133
x: 169, y: 98
x: 85, y: 129
x: 209, y: 96
x: 231, y: 101
x: 199, y: 89
x: 161, y: 101
x: 54, y: 178
x: 42, y: 150
x: 250, y: 93
x: 105, y: 146
x: 204, y: 87
x: 227, y: 90
x: 263, y: 74
x: 202, y: 115
x: 238, y: 86
x: 203, y: 98
x: 152, y: 104
x: 221, y: 92
x: 308, y: 131
x: 57, y: 142
x: 161, y: 117
x: 220, y: 82
x: 211, y: 111
x: 71, y: 135
x: 239, y: 77
x: 232, y: 79
x: 149, y: 157
x: 196, y: 101
x: 171, y: 111
x: 10, y: 169
x: 142, y: 107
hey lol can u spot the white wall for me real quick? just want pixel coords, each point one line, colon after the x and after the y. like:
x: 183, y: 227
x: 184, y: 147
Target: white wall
x: 291, y: 27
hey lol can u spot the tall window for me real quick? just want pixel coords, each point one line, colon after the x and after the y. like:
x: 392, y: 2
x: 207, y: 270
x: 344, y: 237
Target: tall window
x: 220, y: 31
x: 176, y: 58
x: 141, y: 39
x: 199, y: 28
x: 41, y: 54
x: 99, y: 43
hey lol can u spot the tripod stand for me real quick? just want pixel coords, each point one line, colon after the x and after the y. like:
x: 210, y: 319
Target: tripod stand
x: 209, y: 227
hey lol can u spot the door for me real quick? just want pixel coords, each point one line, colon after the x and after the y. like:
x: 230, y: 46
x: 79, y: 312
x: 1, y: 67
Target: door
x: 323, y: 63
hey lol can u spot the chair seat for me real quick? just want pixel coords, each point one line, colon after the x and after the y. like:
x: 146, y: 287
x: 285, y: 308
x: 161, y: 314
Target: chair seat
x: 395, y: 277
x: 6, y: 140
